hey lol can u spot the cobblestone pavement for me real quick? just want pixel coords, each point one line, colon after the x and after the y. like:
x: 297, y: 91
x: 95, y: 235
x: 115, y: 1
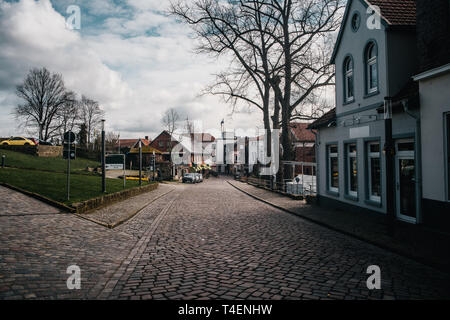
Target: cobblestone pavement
x: 123, y: 210
x: 203, y: 241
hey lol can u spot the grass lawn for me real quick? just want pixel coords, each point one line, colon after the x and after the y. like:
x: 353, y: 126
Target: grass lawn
x: 21, y: 160
x: 53, y: 185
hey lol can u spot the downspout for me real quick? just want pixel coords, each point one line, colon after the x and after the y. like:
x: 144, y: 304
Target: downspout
x: 418, y: 138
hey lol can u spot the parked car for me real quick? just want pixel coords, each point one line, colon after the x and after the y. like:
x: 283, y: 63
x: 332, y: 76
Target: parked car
x: 45, y: 143
x: 200, y: 177
x: 17, y: 141
x: 189, y: 177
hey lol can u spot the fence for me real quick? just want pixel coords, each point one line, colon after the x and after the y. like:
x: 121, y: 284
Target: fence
x: 299, y: 185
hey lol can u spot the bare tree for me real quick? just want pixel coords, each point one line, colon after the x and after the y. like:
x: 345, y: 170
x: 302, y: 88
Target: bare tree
x: 170, y: 120
x: 277, y: 45
x: 69, y: 114
x: 111, y: 141
x: 91, y: 115
x: 45, y: 95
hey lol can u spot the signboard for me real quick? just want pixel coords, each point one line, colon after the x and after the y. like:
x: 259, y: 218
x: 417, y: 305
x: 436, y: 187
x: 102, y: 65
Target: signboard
x: 361, y: 132
x: 115, y: 162
x: 69, y: 136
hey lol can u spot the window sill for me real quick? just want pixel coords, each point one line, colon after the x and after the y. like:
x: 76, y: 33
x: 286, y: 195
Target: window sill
x: 352, y: 198
x: 368, y: 95
x: 373, y: 203
x: 333, y: 193
x: 346, y: 103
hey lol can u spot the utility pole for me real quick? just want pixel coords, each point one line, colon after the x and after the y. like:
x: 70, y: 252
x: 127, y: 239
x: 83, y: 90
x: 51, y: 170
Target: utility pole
x: 140, y: 162
x: 154, y: 164
x: 103, y: 158
x: 389, y: 152
x: 68, y: 167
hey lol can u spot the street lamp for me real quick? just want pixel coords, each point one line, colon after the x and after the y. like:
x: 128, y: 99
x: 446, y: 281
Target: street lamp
x: 103, y: 158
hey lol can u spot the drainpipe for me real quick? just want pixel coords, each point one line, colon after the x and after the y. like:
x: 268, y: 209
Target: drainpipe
x: 418, y: 138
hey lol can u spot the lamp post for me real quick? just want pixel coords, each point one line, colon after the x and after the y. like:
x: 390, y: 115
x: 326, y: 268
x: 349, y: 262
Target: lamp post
x: 140, y: 162
x: 103, y: 158
x: 389, y: 151
x: 154, y: 164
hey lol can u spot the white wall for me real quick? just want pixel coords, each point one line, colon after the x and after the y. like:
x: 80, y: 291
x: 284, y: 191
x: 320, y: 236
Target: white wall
x: 434, y: 101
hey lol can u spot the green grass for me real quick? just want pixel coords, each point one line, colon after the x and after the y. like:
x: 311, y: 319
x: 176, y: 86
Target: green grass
x: 25, y: 161
x: 53, y: 185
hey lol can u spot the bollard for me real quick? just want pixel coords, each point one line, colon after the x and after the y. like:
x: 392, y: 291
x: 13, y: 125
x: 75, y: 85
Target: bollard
x: 3, y: 161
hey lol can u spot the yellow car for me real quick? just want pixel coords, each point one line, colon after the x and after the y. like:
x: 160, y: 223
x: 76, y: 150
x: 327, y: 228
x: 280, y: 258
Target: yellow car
x: 17, y: 141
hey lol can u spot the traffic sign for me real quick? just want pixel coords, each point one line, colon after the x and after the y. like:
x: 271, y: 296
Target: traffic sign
x: 69, y: 136
x: 115, y: 162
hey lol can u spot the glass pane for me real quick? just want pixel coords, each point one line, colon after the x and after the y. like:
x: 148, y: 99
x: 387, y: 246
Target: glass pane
x: 353, y: 175
x: 448, y: 155
x: 407, y: 188
x: 334, y: 172
x: 375, y: 175
x: 373, y: 76
x: 406, y: 146
x: 352, y: 148
x: 350, y: 86
x: 374, y: 148
x: 333, y: 149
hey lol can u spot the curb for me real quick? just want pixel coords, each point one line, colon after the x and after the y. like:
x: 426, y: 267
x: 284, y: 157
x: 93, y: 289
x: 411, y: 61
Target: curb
x: 122, y: 221
x: 441, y: 267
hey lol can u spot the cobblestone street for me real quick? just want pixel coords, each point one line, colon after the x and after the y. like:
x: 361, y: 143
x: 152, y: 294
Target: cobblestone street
x: 202, y: 241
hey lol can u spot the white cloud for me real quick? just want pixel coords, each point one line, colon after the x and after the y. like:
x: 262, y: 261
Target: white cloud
x: 134, y: 74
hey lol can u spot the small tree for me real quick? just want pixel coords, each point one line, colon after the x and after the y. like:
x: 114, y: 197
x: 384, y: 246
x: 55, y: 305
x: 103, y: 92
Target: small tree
x: 91, y: 115
x: 170, y: 121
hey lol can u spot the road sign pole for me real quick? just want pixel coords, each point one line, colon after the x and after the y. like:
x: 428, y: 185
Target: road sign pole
x: 103, y: 158
x: 124, y: 172
x: 68, y: 169
x: 140, y: 162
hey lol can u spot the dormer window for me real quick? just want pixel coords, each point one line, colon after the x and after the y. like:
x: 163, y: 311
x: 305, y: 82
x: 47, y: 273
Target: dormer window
x: 371, y: 56
x: 348, y: 80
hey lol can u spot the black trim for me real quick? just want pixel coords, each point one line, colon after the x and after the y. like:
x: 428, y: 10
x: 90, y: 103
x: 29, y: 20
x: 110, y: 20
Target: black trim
x: 436, y: 214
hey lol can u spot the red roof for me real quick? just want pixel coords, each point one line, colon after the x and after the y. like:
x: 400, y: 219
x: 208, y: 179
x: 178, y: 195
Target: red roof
x: 126, y: 142
x: 397, y: 12
x: 301, y: 133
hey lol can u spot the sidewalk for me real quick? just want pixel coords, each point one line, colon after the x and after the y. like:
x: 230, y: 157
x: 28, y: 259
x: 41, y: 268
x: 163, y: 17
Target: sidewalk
x: 413, y: 241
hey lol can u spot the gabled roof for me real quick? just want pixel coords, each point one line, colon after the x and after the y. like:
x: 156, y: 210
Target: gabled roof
x: 301, y: 132
x: 327, y: 119
x: 145, y: 142
x: 393, y: 13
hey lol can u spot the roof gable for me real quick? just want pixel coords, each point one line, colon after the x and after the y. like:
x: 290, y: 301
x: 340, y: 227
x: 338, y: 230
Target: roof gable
x: 393, y: 13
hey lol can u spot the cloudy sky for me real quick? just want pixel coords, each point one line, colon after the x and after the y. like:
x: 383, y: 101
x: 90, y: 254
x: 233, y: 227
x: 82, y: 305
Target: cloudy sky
x: 128, y: 55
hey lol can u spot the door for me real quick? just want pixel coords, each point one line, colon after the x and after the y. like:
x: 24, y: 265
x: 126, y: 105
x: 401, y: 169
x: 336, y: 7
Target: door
x: 406, y: 182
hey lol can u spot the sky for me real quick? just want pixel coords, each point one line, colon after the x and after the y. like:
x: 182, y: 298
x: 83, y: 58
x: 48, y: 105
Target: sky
x: 128, y: 55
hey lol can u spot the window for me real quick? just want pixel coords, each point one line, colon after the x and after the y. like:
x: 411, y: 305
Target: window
x: 447, y: 120
x: 374, y: 171
x: 352, y: 170
x: 348, y: 80
x: 356, y: 21
x: 333, y: 168
x: 371, y: 59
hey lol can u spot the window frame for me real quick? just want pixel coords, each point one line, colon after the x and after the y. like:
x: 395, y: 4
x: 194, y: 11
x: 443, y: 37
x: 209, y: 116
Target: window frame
x: 369, y: 156
x: 330, y: 155
x: 349, y: 73
x: 368, y: 63
x: 447, y: 152
x: 348, y: 158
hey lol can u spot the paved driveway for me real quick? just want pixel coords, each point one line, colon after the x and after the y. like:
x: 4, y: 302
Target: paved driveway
x: 203, y: 241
